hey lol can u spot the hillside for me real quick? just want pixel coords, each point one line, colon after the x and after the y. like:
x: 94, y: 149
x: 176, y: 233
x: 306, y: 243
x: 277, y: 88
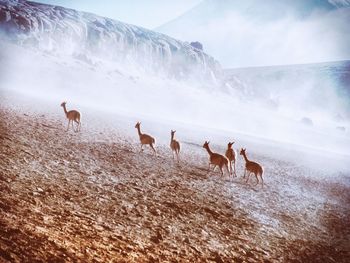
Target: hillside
x: 93, y: 197
x: 314, y: 86
x: 268, y: 32
x: 65, y: 31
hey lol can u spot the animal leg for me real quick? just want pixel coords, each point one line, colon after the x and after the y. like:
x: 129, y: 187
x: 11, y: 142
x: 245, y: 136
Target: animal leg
x: 228, y: 171
x: 257, y: 180
x: 78, y: 125
x: 248, y: 177
x: 221, y: 170
x: 262, y: 181
x: 245, y: 171
x: 153, y: 148
x: 77, y: 129
x: 68, y: 125
x: 141, y: 148
x: 234, y: 166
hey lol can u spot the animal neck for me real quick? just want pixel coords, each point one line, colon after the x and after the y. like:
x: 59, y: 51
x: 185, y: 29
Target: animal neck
x: 208, y: 150
x: 172, y: 138
x: 245, y: 158
x: 139, y: 130
x: 65, y: 110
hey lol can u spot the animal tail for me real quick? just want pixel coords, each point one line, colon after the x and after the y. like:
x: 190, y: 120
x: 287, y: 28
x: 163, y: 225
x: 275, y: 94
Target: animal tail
x: 153, y: 140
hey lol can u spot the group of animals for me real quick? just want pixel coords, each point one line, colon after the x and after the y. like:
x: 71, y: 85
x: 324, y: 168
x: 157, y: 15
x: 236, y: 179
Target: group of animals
x: 215, y: 159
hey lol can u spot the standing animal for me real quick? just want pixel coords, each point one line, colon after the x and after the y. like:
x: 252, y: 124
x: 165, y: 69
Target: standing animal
x: 145, y: 138
x: 252, y: 167
x: 174, y: 145
x: 72, y: 116
x: 216, y: 159
x: 231, y: 156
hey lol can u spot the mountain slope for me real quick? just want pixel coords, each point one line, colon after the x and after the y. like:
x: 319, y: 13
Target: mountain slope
x: 256, y: 9
x: 58, y: 54
x: 317, y: 90
x: 259, y: 33
x: 271, y: 9
x: 67, y: 31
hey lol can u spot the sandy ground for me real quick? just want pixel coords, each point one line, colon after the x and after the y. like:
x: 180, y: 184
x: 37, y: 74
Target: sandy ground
x: 93, y: 197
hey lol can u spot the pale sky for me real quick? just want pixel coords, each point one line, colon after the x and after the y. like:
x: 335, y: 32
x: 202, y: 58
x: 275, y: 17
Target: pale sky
x: 146, y: 13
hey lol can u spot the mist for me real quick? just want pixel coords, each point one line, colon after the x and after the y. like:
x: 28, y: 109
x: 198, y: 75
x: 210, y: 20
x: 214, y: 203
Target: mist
x: 97, y: 63
x: 116, y: 89
x: 81, y: 182
x: 252, y: 34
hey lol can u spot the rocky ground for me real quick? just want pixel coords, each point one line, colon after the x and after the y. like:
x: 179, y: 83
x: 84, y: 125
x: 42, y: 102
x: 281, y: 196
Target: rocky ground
x: 93, y: 197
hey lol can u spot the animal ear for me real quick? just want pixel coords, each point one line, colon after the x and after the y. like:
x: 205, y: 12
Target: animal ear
x: 233, y: 142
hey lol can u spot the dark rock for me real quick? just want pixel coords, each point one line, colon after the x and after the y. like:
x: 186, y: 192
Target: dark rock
x: 197, y: 45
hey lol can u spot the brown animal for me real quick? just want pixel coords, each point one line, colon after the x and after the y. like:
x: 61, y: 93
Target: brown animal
x: 145, y: 138
x: 231, y: 156
x: 252, y: 167
x: 216, y: 159
x: 174, y: 145
x: 72, y: 116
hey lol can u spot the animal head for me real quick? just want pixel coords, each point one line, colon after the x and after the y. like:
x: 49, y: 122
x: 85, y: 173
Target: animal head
x: 137, y: 125
x: 229, y: 145
x: 172, y: 132
x: 206, y: 144
x: 63, y: 104
x: 242, y: 152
